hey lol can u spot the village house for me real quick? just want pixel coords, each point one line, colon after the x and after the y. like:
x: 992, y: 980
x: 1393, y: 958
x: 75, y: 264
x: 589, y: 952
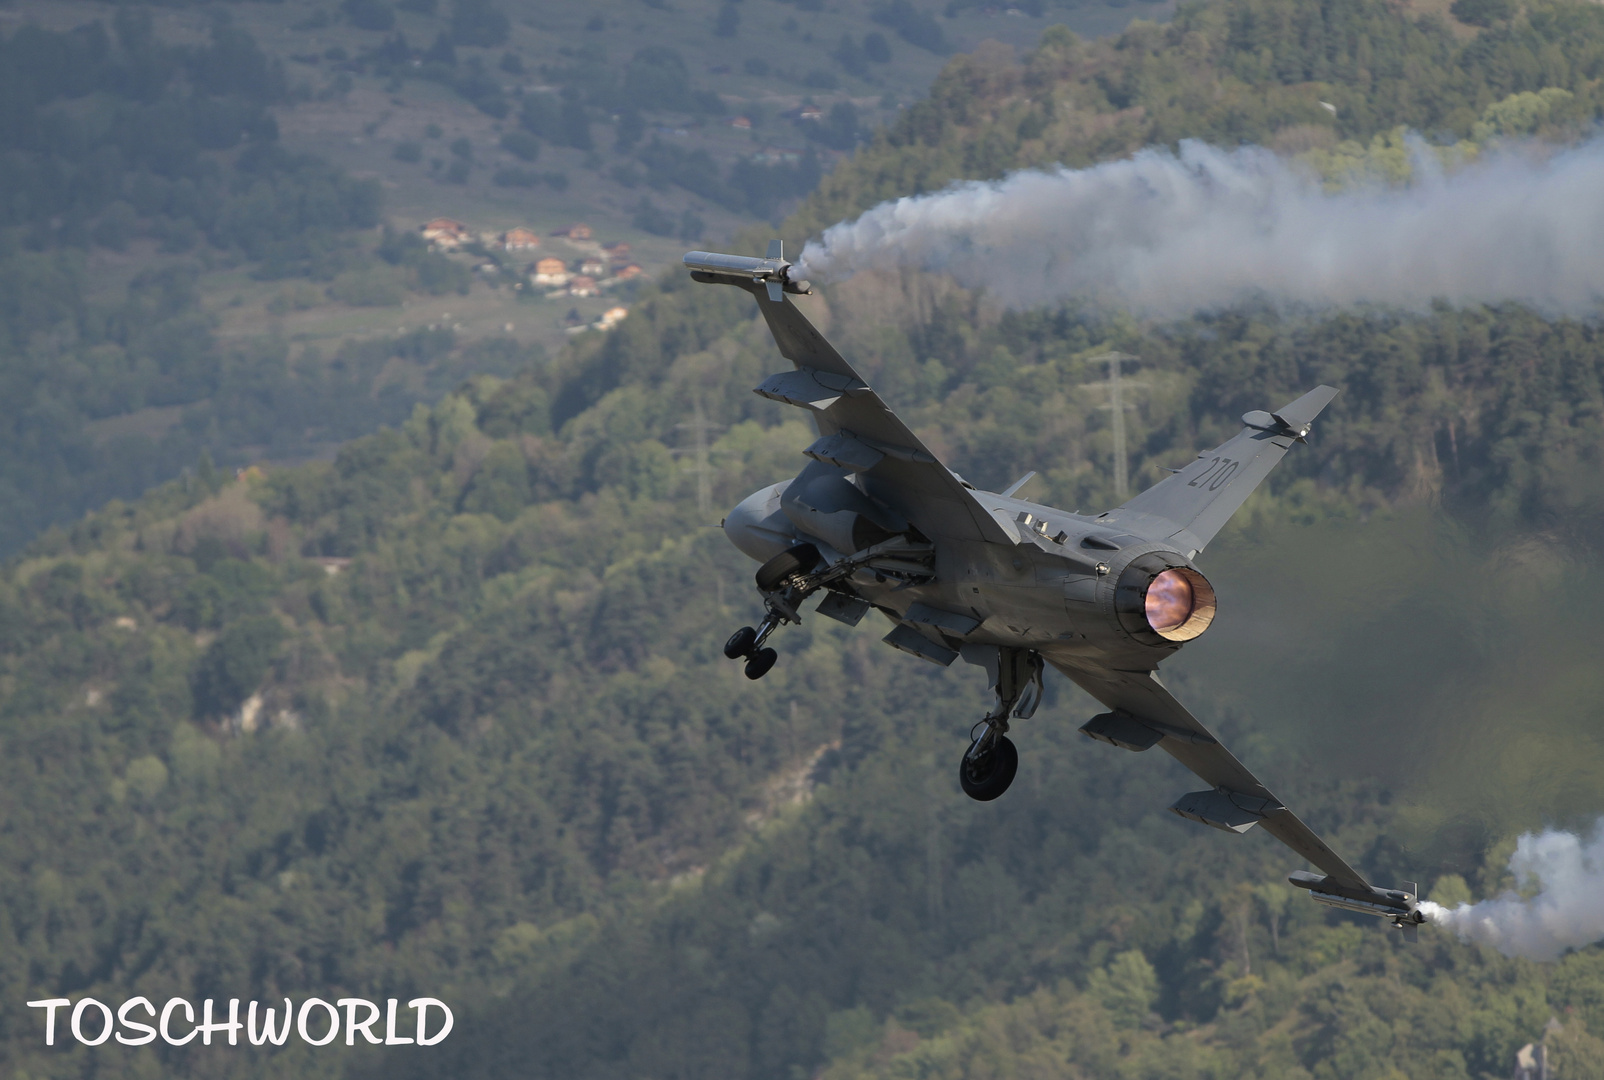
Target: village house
x: 608, y: 320
x: 741, y: 123
x: 633, y: 270
x: 810, y: 112
x: 618, y: 252
x: 445, y: 233
x: 582, y: 285
x: 519, y: 239
x: 773, y: 155
x: 593, y: 266
x: 550, y: 271
x: 576, y: 231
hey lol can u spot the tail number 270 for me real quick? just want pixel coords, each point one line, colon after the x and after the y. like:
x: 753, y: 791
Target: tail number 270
x: 1215, y: 474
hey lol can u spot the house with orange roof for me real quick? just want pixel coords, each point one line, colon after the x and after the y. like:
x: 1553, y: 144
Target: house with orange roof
x: 519, y: 239
x: 445, y: 233
x: 551, y: 271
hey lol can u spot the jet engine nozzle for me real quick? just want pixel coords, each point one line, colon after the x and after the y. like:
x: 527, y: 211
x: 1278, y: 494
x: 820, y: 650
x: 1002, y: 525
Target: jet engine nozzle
x: 1162, y: 599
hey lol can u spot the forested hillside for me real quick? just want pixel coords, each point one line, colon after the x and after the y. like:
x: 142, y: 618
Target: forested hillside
x: 1235, y: 72
x: 116, y: 141
x: 496, y: 755
x: 116, y: 145
x: 447, y: 715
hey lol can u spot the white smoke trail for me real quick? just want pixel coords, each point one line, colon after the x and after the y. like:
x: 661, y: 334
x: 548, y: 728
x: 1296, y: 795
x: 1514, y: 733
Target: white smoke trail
x: 1567, y: 913
x: 1169, y: 234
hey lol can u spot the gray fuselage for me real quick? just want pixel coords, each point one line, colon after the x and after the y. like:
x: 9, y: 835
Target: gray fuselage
x: 1054, y: 592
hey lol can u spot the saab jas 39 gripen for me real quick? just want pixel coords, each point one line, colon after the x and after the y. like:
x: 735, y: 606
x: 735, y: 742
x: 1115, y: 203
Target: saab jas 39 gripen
x: 876, y: 521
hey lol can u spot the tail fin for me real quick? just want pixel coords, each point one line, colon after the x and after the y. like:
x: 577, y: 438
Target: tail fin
x: 1201, y: 498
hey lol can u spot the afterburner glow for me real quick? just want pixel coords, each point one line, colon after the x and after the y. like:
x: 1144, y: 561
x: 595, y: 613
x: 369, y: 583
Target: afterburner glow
x: 1169, y: 601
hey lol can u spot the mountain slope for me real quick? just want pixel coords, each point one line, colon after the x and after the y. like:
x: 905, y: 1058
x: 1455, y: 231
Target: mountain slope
x: 447, y: 716
x: 1227, y: 73
x: 477, y: 755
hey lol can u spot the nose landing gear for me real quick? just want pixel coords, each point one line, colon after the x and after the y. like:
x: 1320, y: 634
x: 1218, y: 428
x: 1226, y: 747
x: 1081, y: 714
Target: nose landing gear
x: 795, y: 574
x: 992, y: 760
x: 744, y: 643
x: 782, y: 580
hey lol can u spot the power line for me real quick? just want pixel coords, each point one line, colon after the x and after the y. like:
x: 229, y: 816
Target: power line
x: 1117, y: 406
x: 702, y: 467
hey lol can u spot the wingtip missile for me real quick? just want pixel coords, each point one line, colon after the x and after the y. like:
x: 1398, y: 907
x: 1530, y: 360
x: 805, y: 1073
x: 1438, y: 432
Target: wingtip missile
x: 772, y: 272
x: 1399, y: 906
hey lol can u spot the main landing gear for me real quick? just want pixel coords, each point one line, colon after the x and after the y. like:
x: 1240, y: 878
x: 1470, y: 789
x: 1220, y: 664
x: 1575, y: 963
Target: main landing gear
x: 991, y: 762
x: 989, y: 766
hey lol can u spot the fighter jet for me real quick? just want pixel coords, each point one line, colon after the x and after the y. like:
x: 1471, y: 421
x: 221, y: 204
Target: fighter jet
x: 875, y: 521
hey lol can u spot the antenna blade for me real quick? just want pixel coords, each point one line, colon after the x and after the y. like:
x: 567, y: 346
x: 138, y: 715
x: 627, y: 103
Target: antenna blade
x: 776, y: 249
x: 1013, y: 489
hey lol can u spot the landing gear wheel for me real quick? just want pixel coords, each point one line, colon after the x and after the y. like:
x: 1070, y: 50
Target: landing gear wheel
x: 740, y: 643
x: 797, y: 560
x: 758, y: 666
x: 986, y: 777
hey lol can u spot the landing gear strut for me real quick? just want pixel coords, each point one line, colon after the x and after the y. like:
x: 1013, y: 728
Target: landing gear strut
x: 988, y: 767
x: 784, y: 585
x: 795, y: 574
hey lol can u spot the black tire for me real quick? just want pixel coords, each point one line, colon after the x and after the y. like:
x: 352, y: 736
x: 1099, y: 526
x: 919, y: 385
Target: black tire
x: 989, y: 777
x: 740, y: 643
x: 795, y: 560
x: 758, y: 666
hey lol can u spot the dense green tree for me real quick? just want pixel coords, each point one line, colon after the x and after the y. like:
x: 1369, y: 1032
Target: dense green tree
x: 232, y: 667
x: 657, y: 78
x: 478, y: 22
x: 369, y: 14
